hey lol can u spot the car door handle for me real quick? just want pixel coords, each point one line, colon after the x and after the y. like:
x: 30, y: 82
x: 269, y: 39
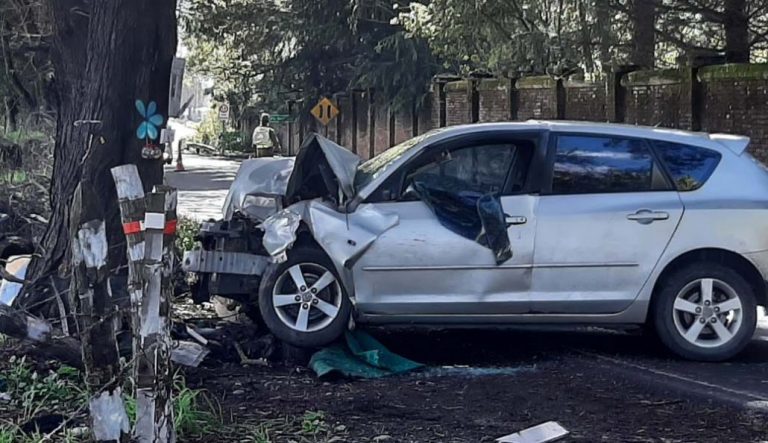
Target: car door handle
x: 515, y: 219
x: 646, y: 216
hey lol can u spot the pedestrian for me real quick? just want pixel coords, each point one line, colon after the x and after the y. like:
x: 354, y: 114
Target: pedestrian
x: 265, y: 141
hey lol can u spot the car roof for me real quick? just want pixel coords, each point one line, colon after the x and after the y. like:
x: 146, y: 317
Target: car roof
x: 735, y: 143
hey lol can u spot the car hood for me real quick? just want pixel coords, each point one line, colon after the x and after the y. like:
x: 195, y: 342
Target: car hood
x: 322, y: 169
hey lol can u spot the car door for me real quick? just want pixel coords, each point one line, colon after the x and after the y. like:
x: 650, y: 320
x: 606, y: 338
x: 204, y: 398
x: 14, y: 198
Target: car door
x: 420, y: 267
x: 602, y: 225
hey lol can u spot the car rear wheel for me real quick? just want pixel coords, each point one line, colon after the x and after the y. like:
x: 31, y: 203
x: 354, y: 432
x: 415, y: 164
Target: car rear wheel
x: 302, y: 300
x: 705, y: 311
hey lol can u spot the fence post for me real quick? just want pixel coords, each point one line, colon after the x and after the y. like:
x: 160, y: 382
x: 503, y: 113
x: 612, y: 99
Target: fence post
x: 92, y: 300
x: 149, y: 224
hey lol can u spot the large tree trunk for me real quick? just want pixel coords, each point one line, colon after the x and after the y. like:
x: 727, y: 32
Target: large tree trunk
x: 107, y: 55
x: 643, y: 17
x: 736, y: 25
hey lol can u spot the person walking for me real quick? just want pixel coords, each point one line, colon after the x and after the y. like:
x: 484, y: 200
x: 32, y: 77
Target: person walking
x: 265, y: 141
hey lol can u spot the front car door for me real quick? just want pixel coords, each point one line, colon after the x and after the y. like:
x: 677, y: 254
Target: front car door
x: 419, y: 267
x: 602, y: 225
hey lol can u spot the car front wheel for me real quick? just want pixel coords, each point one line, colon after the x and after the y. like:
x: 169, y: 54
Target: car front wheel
x: 705, y: 311
x: 302, y: 300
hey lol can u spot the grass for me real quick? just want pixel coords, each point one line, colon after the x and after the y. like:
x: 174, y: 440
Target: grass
x: 309, y: 427
x: 13, y: 177
x: 62, y: 391
x: 194, y: 413
x: 31, y: 393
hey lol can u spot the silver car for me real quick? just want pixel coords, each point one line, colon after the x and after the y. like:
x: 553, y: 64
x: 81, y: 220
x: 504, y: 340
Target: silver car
x: 497, y: 224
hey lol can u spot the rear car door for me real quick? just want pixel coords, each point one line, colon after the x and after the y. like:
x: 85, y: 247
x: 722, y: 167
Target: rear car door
x: 420, y: 267
x: 602, y: 224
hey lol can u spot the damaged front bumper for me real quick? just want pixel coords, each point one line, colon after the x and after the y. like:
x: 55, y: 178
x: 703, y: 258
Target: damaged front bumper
x: 227, y: 260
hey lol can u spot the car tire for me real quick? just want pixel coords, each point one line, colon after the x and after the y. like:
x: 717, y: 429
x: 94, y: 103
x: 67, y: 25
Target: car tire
x: 705, y: 311
x: 296, y: 314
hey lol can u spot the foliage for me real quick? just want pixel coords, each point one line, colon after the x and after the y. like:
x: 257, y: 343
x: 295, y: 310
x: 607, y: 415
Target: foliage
x: 232, y: 141
x: 209, y: 129
x: 186, y: 232
x: 262, y: 53
x: 32, y: 392
x: 194, y: 413
x: 311, y: 426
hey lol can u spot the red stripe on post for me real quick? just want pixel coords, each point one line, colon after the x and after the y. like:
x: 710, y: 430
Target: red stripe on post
x: 132, y: 228
x: 170, y: 227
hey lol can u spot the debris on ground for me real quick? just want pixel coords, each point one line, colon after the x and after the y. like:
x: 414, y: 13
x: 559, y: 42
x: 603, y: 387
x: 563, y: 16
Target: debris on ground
x: 543, y: 433
x: 360, y: 356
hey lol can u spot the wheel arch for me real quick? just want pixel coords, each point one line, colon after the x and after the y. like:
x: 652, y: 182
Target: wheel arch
x: 725, y: 257
x: 305, y: 238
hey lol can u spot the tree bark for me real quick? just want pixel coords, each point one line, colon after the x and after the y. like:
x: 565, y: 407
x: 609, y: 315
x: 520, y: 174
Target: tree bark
x: 106, y: 55
x: 643, y: 17
x: 736, y: 25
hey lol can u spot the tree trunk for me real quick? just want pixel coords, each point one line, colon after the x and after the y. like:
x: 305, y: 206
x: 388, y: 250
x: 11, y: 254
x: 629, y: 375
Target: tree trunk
x: 643, y: 17
x: 603, y: 25
x: 106, y: 55
x: 736, y: 25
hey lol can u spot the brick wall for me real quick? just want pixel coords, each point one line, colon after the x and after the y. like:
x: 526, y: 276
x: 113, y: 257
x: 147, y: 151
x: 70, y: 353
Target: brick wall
x: 537, y: 98
x: 403, y: 124
x: 361, y: 107
x: 457, y: 103
x: 734, y: 99
x: 655, y: 98
x: 724, y: 98
x: 381, y: 132
x: 494, y: 98
x: 585, y: 100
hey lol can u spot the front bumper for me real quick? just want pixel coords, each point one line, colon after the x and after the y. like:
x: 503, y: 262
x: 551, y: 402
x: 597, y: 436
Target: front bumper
x: 228, y: 262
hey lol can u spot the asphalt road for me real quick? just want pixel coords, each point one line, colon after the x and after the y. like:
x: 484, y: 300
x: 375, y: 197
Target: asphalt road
x: 203, y: 185
x: 742, y: 382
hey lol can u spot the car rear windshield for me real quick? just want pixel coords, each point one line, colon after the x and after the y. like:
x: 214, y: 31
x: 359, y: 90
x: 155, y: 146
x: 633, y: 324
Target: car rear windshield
x: 689, y: 166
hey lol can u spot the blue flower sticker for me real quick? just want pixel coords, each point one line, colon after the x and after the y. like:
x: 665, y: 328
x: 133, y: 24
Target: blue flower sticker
x: 148, y: 128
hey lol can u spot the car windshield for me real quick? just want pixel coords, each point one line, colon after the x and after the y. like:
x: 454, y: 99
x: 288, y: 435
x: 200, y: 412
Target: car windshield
x: 376, y: 166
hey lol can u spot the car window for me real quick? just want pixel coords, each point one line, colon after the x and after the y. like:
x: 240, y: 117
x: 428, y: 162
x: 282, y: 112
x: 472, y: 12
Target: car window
x: 593, y: 164
x: 689, y: 166
x: 482, y: 167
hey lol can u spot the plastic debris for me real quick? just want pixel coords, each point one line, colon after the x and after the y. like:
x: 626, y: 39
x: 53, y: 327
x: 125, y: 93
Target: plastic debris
x: 543, y: 433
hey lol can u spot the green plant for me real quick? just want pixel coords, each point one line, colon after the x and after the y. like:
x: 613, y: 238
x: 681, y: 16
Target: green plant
x: 31, y: 392
x: 186, y: 231
x: 313, y: 422
x: 232, y: 141
x: 194, y: 413
x: 209, y: 129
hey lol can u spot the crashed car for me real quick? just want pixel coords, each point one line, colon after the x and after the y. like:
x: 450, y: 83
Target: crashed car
x: 497, y: 224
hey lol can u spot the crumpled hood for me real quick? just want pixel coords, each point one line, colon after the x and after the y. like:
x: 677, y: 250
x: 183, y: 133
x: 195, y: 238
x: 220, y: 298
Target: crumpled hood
x: 322, y: 169
x: 261, y: 177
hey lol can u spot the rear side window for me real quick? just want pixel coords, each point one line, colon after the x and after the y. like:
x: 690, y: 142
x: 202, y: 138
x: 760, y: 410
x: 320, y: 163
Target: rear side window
x: 594, y: 164
x: 689, y: 166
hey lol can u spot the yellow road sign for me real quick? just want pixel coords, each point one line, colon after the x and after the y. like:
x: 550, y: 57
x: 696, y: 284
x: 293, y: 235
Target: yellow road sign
x: 325, y: 111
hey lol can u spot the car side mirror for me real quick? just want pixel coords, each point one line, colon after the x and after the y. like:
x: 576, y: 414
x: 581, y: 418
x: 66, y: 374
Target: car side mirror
x: 409, y: 194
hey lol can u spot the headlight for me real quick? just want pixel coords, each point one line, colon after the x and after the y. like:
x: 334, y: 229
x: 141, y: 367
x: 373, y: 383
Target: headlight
x: 259, y: 207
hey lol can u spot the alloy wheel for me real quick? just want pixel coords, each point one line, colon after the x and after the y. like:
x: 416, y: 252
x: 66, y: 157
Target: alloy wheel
x: 707, y: 312
x: 307, y: 297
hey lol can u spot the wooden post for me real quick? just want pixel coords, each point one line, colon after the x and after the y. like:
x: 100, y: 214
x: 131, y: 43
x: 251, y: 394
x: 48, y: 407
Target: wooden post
x: 92, y: 299
x: 150, y: 225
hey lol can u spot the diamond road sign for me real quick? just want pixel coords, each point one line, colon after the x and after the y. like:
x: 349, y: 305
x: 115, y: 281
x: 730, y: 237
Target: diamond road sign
x: 325, y: 111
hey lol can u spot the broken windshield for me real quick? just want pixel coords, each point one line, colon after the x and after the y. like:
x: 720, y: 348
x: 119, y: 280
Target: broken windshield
x: 374, y: 167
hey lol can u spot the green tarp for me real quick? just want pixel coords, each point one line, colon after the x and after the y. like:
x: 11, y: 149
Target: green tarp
x: 359, y: 356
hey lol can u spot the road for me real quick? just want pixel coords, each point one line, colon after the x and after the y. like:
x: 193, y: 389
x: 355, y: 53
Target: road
x: 203, y: 185
x: 637, y: 360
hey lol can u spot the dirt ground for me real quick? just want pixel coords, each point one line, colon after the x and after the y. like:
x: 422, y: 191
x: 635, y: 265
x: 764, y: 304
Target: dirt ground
x: 516, y: 380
